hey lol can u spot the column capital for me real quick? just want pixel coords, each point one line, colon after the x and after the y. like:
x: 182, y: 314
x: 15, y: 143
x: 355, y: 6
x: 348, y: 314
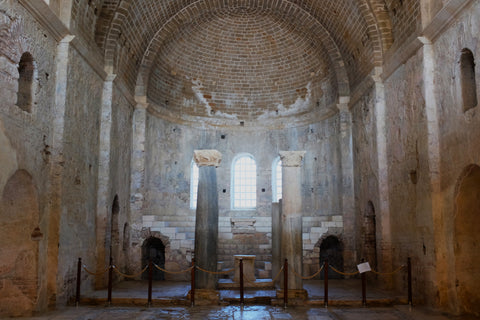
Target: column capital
x: 292, y: 158
x: 204, y: 158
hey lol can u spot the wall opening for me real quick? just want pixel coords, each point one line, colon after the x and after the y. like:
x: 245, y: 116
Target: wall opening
x: 468, y: 82
x: 467, y: 239
x: 369, y: 236
x: 331, y: 248
x: 26, y: 70
x: 19, y: 245
x: 153, y: 248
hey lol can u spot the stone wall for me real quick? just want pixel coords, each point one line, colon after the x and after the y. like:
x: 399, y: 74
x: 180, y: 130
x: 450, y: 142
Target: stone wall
x: 80, y: 171
x: 169, y: 151
x: 25, y: 144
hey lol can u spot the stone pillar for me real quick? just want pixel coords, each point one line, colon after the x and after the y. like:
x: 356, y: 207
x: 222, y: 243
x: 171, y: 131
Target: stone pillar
x: 102, y: 218
x: 347, y: 199
x: 276, y: 237
x: 291, y: 223
x: 137, y: 181
x: 206, y: 223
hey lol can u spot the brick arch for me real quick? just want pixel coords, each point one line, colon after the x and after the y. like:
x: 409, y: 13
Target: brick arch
x: 379, y: 27
x: 281, y: 8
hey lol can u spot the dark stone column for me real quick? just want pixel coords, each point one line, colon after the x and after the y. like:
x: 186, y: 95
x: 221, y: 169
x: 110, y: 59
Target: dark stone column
x: 206, y: 223
x: 276, y: 238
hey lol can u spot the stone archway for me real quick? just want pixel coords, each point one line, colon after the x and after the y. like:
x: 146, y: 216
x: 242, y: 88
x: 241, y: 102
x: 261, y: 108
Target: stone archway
x: 19, y: 236
x: 332, y: 248
x: 467, y: 241
x: 153, y: 248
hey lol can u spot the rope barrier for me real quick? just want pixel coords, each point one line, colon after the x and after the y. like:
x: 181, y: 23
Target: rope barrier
x: 130, y: 276
x: 93, y: 273
x: 215, y: 272
x: 389, y: 273
x: 308, y: 277
x: 278, y: 274
x: 173, y: 272
x: 344, y: 273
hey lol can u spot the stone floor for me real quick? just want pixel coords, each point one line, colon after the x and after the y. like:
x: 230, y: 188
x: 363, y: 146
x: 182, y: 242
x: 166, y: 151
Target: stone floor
x: 236, y: 312
x: 341, y: 293
x: 170, y: 302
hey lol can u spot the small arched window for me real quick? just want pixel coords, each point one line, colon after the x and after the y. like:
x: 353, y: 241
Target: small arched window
x: 468, y: 83
x: 193, y: 185
x: 26, y: 71
x: 277, y: 179
x: 244, y: 182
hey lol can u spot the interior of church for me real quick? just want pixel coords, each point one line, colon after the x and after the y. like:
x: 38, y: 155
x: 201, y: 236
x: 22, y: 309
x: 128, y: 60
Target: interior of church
x: 206, y: 129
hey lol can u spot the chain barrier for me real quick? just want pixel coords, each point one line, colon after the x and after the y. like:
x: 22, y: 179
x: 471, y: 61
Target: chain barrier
x: 127, y: 275
x: 173, y: 272
x: 389, y: 273
x: 215, y: 272
x: 94, y: 273
x: 308, y: 277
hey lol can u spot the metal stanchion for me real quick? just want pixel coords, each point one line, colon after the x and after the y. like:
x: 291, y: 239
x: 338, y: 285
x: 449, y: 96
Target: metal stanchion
x: 192, y: 286
x: 325, y: 283
x: 110, y: 279
x: 364, y: 287
x: 285, y: 283
x: 242, y: 301
x: 79, y: 279
x: 150, y: 281
x: 409, y: 274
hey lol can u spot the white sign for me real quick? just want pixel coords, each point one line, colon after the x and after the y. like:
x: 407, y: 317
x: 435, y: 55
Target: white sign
x: 364, y: 267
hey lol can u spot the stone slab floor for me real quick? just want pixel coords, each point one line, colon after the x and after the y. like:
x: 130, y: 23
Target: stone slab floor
x: 245, y: 313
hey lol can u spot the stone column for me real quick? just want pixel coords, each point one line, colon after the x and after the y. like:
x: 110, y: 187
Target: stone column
x: 276, y: 237
x: 346, y: 187
x: 291, y: 229
x: 206, y: 223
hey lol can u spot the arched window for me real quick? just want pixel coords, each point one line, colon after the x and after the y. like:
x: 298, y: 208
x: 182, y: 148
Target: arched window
x: 468, y: 83
x: 277, y: 179
x: 244, y: 182
x: 193, y: 185
x: 26, y: 70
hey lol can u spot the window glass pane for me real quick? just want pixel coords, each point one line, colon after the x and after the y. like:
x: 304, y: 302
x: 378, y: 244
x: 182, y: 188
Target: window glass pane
x: 277, y: 180
x: 244, y: 183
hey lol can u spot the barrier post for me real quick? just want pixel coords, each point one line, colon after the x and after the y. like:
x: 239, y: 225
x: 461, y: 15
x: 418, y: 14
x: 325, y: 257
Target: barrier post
x: 285, y: 283
x: 409, y: 273
x: 241, y: 282
x: 325, y: 283
x: 364, y: 287
x: 192, y: 285
x: 110, y: 279
x: 79, y: 279
x: 150, y: 280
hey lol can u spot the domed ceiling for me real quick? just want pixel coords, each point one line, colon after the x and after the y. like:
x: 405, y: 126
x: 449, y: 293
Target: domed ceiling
x: 261, y: 62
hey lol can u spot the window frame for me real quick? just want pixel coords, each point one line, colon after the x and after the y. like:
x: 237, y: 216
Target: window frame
x: 276, y: 180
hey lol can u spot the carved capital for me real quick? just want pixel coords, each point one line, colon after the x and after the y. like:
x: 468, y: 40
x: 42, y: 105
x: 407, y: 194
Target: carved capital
x: 204, y: 158
x: 292, y: 158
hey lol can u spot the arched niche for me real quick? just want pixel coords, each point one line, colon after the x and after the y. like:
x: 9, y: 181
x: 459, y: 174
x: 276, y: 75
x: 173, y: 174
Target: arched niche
x: 154, y: 248
x: 467, y: 240
x: 331, y: 248
x: 19, y: 244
